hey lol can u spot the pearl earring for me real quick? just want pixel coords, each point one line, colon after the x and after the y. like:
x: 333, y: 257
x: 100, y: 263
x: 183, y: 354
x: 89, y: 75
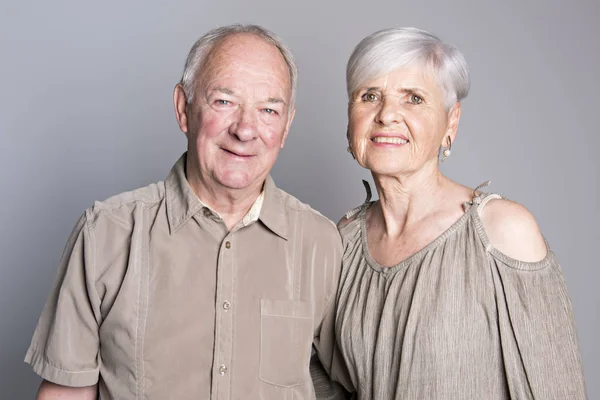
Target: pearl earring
x: 447, y: 152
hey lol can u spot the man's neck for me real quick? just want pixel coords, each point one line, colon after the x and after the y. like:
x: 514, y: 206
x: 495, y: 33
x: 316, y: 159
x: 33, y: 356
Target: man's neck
x: 231, y: 204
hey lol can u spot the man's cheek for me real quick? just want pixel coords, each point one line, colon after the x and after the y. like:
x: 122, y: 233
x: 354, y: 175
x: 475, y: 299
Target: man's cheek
x: 212, y: 127
x: 272, y: 136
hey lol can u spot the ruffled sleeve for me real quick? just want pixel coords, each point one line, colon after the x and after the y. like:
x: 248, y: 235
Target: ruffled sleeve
x: 537, y: 329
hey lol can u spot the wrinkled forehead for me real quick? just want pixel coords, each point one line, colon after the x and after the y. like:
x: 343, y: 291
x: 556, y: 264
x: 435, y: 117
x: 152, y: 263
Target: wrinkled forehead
x: 246, y: 57
x: 415, y: 67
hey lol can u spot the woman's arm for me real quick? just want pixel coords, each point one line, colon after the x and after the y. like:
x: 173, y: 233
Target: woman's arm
x: 537, y: 333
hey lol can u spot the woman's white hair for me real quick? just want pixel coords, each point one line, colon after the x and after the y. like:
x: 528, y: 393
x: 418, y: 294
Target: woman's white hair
x: 203, y: 46
x: 384, y: 51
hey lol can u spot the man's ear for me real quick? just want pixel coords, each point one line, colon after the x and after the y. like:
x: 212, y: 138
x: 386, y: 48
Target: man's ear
x: 181, y: 110
x: 288, y: 125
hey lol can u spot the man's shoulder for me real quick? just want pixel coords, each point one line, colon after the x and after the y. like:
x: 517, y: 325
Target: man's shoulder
x: 123, y: 204
x: 316, y: 222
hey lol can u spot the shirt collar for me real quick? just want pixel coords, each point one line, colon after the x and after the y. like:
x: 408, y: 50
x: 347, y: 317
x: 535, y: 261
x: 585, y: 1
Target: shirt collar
x: 273, y: 213
x: 254, y: 212
x: 182, y: 203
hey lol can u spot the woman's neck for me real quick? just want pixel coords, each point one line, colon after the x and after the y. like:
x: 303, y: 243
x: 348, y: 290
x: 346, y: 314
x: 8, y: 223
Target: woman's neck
x: 405, y: 200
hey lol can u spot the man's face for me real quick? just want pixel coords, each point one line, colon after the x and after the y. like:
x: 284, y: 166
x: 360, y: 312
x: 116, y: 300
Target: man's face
x: 241, y: 113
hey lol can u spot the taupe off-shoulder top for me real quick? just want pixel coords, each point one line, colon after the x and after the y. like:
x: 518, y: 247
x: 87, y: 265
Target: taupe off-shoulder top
x: 456, y: 320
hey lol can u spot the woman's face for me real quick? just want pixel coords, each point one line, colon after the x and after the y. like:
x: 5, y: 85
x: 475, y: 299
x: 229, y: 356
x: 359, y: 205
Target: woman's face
x: 397, y: 122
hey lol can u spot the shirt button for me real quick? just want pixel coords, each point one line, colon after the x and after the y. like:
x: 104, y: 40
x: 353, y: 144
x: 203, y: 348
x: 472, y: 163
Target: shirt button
x: 222, y: 370
x: 226, y: 305
x: 228, y: 244
x: 207, y: 213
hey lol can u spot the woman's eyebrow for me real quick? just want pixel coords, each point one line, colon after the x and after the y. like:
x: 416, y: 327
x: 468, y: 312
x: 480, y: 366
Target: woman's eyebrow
x: 411, y: 90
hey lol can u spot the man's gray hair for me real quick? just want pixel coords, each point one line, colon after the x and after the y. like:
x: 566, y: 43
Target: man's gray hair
x: 384, y: 51
x: 203, y: 46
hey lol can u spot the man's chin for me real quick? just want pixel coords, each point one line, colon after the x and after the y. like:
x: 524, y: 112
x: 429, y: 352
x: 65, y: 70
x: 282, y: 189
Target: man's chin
x: 239, y: 180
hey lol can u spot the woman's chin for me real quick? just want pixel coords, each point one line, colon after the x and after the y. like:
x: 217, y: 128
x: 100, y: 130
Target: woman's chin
x: 381, y: 169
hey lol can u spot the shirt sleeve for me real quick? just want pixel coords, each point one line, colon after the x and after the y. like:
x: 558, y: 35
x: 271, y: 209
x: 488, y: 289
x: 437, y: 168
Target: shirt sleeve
x: 537, y: 329
x: 327, y: 368
x: 65, y: 345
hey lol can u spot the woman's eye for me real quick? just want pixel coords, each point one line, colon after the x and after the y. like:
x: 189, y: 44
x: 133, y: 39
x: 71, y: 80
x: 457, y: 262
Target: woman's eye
x: 370, y: 97
x: 415, y: 99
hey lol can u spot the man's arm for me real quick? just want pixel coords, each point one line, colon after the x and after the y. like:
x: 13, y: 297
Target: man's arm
x: 66, y: 342
x: 52, y: 391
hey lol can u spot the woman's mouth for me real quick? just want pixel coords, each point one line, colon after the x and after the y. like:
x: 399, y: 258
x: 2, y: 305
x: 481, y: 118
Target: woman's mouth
x: 389, y: 139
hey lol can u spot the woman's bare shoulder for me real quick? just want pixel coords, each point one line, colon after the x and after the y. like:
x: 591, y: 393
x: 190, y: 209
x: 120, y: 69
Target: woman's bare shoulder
x: 513, y: 230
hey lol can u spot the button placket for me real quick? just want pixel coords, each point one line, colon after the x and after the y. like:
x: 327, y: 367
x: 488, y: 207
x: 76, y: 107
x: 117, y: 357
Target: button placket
x: 225, y: 317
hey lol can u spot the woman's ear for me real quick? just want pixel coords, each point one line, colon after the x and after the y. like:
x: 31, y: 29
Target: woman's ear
x: 453, y: 119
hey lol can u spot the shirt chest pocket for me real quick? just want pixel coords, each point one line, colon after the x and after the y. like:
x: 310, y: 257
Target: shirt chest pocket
x: 286, y: 335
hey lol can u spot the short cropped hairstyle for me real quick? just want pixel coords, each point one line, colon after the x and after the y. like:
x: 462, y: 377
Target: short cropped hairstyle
x: 384, y: 51
x: 203, y: 47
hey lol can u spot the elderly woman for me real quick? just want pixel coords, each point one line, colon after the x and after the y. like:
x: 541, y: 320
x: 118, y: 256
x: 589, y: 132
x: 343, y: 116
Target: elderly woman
x: 446, y: 292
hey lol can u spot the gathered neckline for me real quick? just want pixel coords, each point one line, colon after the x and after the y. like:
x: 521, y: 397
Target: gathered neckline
x: 415, y: 256
x: 470, y: 213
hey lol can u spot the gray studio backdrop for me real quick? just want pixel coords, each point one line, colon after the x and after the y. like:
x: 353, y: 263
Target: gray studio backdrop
x: 86, y: 112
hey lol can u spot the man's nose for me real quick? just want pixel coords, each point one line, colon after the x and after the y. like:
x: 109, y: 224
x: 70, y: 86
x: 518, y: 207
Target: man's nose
x: 245, y: 124
x: 390, y: 111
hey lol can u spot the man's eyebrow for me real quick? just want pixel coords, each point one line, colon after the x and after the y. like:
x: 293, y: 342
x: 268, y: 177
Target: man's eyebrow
x: 222, y: 90
x: 225, y: 90
x: 275, y: 100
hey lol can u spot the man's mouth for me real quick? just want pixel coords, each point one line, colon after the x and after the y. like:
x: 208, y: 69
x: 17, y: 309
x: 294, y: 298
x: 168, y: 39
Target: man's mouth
x: 236, y: 153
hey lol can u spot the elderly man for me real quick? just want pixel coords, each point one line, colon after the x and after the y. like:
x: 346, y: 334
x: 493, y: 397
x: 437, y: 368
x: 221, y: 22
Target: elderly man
x: 213, y: 284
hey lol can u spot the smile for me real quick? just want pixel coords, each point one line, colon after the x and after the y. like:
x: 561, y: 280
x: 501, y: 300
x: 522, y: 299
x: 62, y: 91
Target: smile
x: 388, y: 139
x: 236, y: 154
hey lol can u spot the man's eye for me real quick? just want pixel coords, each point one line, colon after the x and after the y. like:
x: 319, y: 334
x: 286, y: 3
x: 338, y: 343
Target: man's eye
x: 415, y: 99
x: 369, y: 97
x: 270, y: 111
x: 222, y: 102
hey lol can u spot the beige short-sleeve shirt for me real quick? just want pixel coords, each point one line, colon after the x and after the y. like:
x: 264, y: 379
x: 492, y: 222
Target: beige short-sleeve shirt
x: 156, y: 299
